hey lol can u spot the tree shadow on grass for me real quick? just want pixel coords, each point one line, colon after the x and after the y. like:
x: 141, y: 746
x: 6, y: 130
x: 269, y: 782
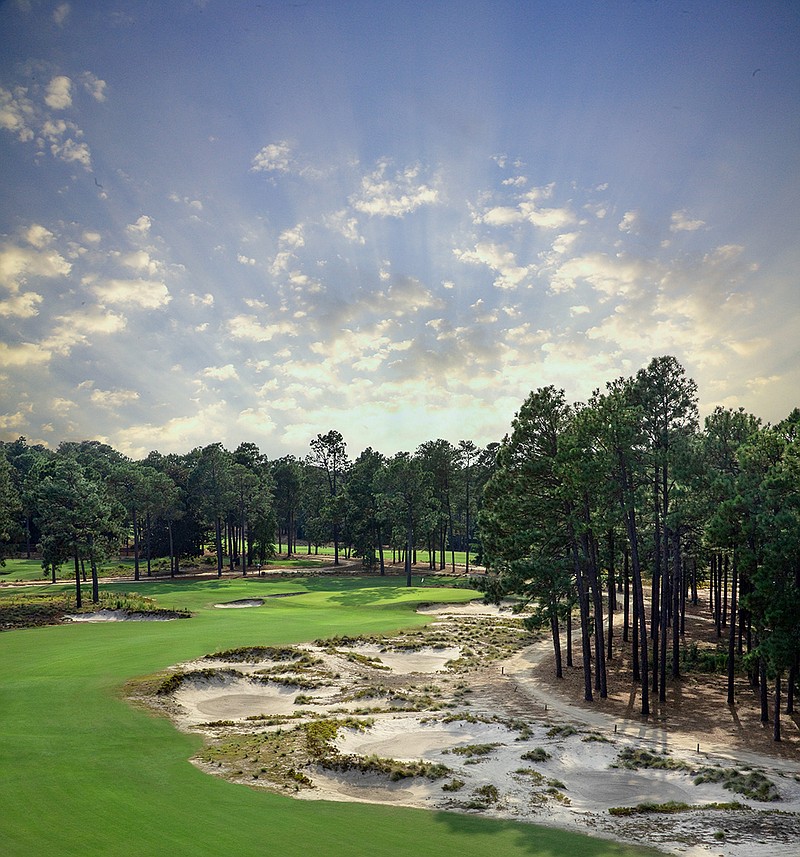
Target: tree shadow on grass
x: 536, y: 840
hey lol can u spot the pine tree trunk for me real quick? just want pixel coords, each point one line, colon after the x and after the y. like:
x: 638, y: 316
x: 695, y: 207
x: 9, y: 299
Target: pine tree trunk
x: 776, y: 720
x: 612, y: 597
x: 732, y: 632
x: 763, y: 692
x: 570, y: 662
x: 556, y: 638
x: 78, y: 601
x: 677, y: 600
x: 626, y: 596
x: 586, y: 649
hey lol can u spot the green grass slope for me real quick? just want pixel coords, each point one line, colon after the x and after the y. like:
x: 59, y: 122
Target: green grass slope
x: 84, y: 773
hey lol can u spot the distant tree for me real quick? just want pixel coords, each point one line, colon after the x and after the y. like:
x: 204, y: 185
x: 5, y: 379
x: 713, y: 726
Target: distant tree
x: 407, y: 501
x: 329, y: 453
x: 363, y: 513
x: 77, y: 519
x: 210, y: 486
x: 10, y: 506
x: 287, y: 474
x: 25, y: 460
x: 668, y: 401
x: 438, y: 459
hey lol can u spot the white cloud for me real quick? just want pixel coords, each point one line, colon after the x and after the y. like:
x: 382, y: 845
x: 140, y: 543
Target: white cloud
x: 113, y: 399
x: 17, y: 113
x: 140, y: 260
x: 345, y: 225
x: 393, y: 196
x: 60, y: 13
x: 141, y: 226
x: 147, y: 294
x: 245, y: 260
x: 81, y: 328
x: 24, y: 305
x: 38, y: 236
x: 629, y: 222
x: 611, y: 276
x: 175, y: 435
x: 681, y: 222
x: 221, y: 373
x: 18, y: 264
x: 202, y: 300
x: 248, y: 327
x: 94, y: 86
x: 24, y: 354
x: 58, y: 93
x: 276, y: 157
x: 527, y: 209
x: 500, y: 259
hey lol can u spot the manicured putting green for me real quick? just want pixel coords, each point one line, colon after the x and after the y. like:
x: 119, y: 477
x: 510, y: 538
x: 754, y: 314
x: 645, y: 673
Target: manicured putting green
x: 84, y: 773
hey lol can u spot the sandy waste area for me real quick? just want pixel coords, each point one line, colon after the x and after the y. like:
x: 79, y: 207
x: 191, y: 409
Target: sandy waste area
x: 449, y: 717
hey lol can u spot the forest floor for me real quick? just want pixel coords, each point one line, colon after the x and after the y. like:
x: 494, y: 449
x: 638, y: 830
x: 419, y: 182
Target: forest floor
x: 466, y: 715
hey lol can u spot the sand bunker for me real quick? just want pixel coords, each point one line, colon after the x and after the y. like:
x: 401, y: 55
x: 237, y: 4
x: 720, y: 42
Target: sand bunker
x: 453, y: 698
x: 117, y: 616
x: 242, y: 602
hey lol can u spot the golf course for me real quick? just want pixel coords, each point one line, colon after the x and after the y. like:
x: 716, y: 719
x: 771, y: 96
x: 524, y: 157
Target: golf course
x: 86, y: 772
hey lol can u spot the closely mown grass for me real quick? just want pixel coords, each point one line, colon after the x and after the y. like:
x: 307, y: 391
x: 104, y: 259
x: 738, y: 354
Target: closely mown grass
x: 85, y: 773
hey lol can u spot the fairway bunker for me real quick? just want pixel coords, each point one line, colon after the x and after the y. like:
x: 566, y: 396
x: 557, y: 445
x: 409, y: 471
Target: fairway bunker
x: 241, y: 602
x: 445, y: 718
x: 118, y: 616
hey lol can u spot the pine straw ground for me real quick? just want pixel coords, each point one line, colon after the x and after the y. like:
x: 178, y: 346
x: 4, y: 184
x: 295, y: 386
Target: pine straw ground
x: 696, y: 703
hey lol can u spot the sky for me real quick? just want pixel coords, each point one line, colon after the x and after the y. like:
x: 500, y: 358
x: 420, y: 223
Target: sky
x: 259, y: 221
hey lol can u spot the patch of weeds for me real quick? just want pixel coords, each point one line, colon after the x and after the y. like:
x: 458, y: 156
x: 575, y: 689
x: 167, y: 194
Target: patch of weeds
x: 483, y: 797
x: 475, y: 750
x: 557, y: 795
x: 320, y: 735
x: 561, y: 731
x: 672, y: 807
x: 303, y: 699
x: 751, y: 784
x: 289, y: 681
x: 453, y: 786
x: 392, y: 768
x: 174, y: 680
x: 364, y: 660
x: 538, y: 754
x: 254, y: 654
x: 596, y: 736
x: 535, y: 777
x: 634, y: 759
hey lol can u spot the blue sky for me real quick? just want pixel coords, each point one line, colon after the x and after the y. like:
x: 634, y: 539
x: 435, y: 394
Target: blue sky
x: 258, y: 221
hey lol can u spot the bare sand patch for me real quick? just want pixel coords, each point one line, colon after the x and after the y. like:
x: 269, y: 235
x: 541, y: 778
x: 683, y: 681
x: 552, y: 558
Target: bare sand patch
x: 241, y: 603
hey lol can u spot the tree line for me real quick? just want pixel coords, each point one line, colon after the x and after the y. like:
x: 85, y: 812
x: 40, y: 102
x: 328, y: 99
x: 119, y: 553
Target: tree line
x: 622, y: 504
x: 625, y: 498
x: 80, y: 503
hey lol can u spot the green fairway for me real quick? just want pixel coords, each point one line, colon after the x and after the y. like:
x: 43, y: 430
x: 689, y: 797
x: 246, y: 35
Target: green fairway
x: 84, y: 773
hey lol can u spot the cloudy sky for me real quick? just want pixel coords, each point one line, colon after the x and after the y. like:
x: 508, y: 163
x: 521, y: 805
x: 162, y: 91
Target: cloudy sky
x: 262, y: 220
